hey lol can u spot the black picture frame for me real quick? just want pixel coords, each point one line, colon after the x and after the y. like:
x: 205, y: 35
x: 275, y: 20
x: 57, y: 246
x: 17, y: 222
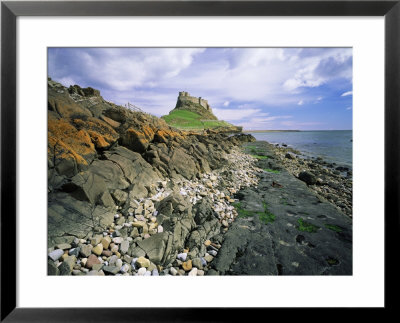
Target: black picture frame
x: 10, y: 10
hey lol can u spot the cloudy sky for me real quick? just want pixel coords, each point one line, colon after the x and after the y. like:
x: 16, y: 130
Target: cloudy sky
x: 258, y: 88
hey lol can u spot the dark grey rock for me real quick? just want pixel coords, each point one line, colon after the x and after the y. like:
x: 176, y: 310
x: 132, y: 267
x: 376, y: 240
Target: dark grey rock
x: 204, y: 211
x: 212, y: 272
x: 112, y: 270
x: 111, y: 173
x: 197, y: 263
x: 136, y: 252
x: 69, y: 216
x: 88, y: 186
x: 85, y: 250
x: 138, y: 191
x: 52, y: 269
x: 155, y: 247
x: 119, y: 196
x: 282, y: 246
x: 65, y: 269
x: 308, y: 178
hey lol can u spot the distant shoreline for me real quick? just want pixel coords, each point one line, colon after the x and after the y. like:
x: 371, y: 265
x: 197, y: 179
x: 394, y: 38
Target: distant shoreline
x: 271, y: 130
x: 250, y: 131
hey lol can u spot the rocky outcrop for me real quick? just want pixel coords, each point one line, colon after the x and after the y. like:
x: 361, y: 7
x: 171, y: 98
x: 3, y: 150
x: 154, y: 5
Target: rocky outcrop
x: 200, y: 116
x: 105, y: 167
x: 197, y: 105
x: 285, y: 228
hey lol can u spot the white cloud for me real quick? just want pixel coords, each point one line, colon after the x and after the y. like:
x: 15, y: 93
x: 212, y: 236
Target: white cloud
x: 272, y: 76
x: 67, y: 81
x: 259, y: 123
x: 298, y: 125
x: 347, y: 93
x: 243, y: 79
x: 320, y: 68
x: 235, y: 114
x: 318, y: 100
x: 349, y: 108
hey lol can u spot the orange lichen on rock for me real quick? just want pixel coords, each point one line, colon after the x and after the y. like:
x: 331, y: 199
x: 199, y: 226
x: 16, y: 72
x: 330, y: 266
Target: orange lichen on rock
x: 66, y: 107
x: 111, y: 122
x: 59, y: 149
x: 102, y: 135
x: 98, y: 140
x: 69, y: 146
x: 135, y: 140
x: 148, y: 132
x: 164, y: 135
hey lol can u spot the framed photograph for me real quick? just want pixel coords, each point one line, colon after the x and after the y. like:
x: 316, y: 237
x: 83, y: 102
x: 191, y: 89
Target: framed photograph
x: 241, y: 154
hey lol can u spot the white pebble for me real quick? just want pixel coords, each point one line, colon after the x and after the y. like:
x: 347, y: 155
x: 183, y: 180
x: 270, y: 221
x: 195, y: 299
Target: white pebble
x: 193, y: 272
x: 182, y: 256
x: 173, y: 271
x: 142, y: 271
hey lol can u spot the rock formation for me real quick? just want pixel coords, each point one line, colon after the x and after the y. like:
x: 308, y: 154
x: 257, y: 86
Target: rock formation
x: 104, y: 159
x: 198, y: 105
x: 201, y: 116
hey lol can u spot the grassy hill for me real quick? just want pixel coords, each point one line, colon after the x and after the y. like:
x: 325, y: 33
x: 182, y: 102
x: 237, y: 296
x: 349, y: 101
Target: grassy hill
x: 188, y: 120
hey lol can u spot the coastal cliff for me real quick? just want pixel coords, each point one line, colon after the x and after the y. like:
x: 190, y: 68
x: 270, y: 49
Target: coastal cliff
x: 123, y: 185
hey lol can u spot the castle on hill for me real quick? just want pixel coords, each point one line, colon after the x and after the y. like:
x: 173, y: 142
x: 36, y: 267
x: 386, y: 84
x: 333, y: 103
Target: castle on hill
x: 185, y: 96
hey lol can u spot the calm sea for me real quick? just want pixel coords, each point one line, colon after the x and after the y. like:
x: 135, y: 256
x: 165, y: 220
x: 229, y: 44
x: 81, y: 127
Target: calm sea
x: 332, y: 146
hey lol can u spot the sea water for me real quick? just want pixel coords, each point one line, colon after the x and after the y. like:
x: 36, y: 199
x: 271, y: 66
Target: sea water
x: 334, y: 146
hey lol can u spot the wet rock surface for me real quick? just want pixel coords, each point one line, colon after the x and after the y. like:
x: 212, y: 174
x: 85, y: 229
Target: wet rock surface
x: 331, y: 181
x: 285, y: 229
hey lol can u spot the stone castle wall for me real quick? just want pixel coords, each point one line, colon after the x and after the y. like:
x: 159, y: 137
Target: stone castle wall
x: 186, y: 96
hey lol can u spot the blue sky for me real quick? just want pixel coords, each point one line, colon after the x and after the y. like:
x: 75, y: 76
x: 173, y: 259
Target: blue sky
x: 258, y: 88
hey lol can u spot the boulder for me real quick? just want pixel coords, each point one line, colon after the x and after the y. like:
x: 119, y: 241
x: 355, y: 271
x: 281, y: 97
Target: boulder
x: 307, y: 177
x: 52, y: 269
x: 87, y: 186
x: 138, y: 191
x: 155, y: 246
x: 65, y: 269
x: 119, y: 196
x: 183, y: 164
x: 111, y: 173
x: 203, y: 211
x: 69, y: 216
x: 61, y: 103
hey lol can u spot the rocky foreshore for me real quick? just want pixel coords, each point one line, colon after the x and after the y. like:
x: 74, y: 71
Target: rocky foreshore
x: 331, y: 181
x: 135, y: 243
x: 129, y: 195
x: 284, y: 226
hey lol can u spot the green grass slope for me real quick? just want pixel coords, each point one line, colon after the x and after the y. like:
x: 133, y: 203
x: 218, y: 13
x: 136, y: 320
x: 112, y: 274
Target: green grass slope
x: 188, y: 120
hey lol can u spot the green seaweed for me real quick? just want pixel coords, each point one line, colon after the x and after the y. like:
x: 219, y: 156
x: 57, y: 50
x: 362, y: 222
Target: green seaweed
x: 242, y: 213
x: 255, y: 150
x: 333, y: 227
x: 267, y: 216
x: 260, y: 157
x: 332, y: 261
x: 271, y: 170
x: 306, y: 227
